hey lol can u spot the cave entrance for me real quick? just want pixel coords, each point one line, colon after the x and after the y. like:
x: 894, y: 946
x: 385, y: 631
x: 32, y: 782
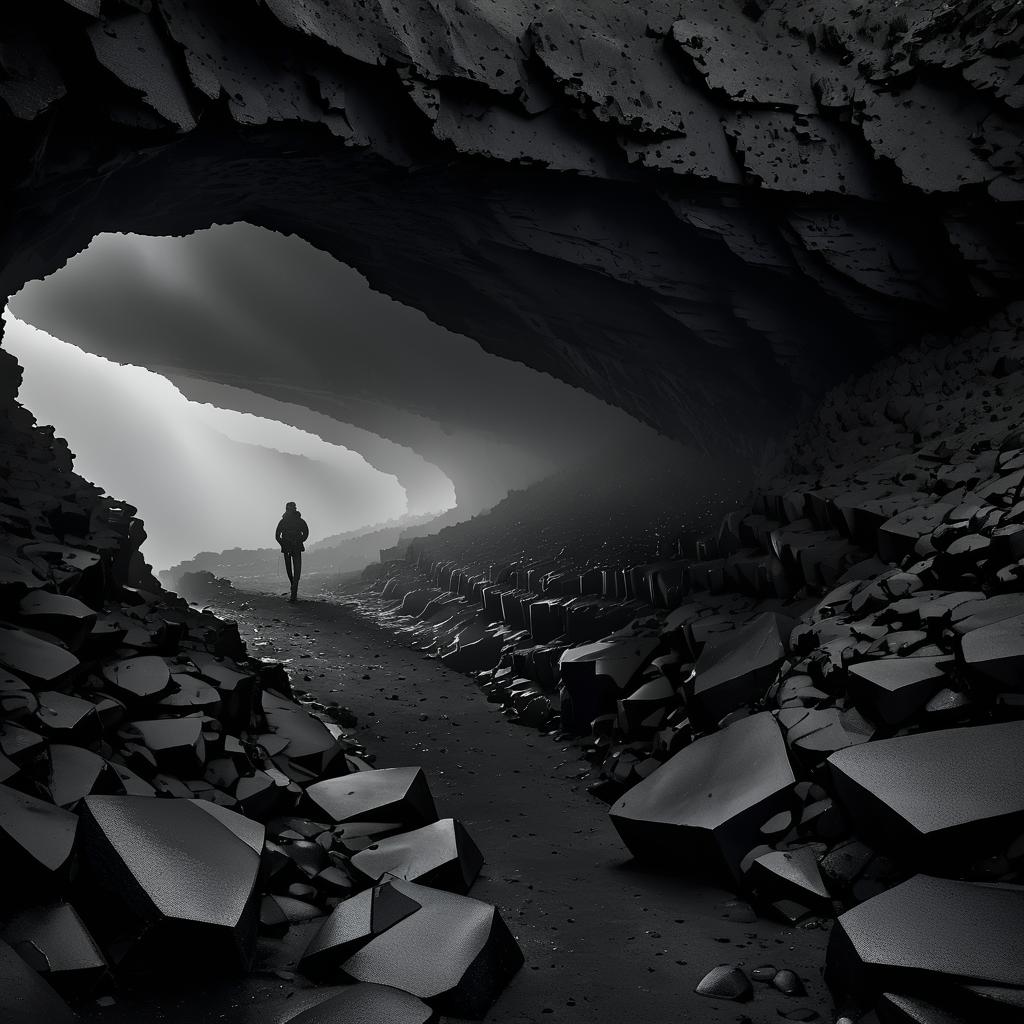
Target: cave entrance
x: 384, y: 419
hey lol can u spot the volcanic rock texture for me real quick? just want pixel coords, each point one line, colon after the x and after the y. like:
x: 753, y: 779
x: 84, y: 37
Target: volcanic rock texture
x: 165, y: 800
x: 701, y: 213
x: 824, y: 704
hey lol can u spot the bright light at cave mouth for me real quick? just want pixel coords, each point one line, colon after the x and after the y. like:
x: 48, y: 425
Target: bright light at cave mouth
x: 203, y: 478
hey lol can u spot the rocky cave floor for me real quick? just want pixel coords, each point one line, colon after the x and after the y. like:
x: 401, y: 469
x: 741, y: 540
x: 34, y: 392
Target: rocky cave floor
x: 603, y: 938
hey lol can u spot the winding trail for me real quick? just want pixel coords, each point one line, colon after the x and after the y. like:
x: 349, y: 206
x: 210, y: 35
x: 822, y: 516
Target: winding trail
x: 605, y: 941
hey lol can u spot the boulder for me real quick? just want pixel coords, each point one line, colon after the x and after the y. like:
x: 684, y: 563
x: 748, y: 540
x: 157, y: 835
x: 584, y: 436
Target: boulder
x: 639, y: 712
x: 702, y: 809
x: 167, y: 884
x: 76, y: 772
x: 137, y: 679
x: 994, y: 654
x: 441, y: 855
x: 26, y: 998
x: 790, y: 875
x: 39, y: 661
x: 736, y: 668
x: 930, y: 935
x: 176, y: 743
x: 309, y: 743
x: 937, y: 798
x: 595, y: 676
x: 893, y: 690
x: 36, y: 842
x: 453, y: 952
x: 385, y: 794
x: 63, y: 716
x: 64, y: 617
x: 55, y: 941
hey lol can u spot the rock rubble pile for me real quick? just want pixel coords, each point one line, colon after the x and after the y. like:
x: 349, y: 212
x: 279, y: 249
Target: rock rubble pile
x: 166, y: 800
x: 824, y: 707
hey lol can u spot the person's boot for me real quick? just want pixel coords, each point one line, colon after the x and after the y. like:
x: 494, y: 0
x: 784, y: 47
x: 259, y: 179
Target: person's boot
x: 295, y: 593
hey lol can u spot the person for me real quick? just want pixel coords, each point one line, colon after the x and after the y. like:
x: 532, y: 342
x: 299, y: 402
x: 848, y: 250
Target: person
x: 291, y: 534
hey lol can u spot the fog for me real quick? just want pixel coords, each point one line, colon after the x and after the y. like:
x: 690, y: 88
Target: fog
x: 388, y: 414
x: 271, y: 315
x: 201, y: 477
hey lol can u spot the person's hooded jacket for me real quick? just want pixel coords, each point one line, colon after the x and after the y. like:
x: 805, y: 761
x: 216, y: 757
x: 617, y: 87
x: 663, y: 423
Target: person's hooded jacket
x: 292, y: 531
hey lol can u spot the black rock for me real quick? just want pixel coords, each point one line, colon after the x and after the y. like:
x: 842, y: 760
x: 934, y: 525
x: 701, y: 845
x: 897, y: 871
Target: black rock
x: 76, y: 772
x: 738, y: 667
x: 39, y: 661
x: 36, y: 842
x: 595, y: 676
x: 926, y: 933
x: 63, y: 716
x: 788, y: 983
x: 994, y: 654
x: 167, y: 883
x: 56, y: 942
x: 893, y: 690
x: 702, y: 809
x: 453, y: 952
x: 442, y: 855
x: 64, y: 617
x: 137, y: 679
x: 936, y: 798
x: 893, y: 1008
x: 790, y: 875
x: 176, y: 743
x: 384, y: 794
x: 24, y: 997
x: 726, y: 982
x: 368, y: 1004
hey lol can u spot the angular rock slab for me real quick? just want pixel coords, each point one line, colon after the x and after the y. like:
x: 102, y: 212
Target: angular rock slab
x: 596, y: 675
x: 935, y: 798
x: 176, y: 743
x: 24, y: 997
x: 926, y: 934
x: 40, y: 662
x: 701, y: 810
x: 442, y: 855
x: 737, y: 667
x: 136, y: 679
x: 167, y: 883
x: 76, y: 773
x: 36, y: 843
x: 893, y: 690
x: 384, y: 794
x: 791, y: 875
x: 451, y: 951
x: 64, y: 617
x: 56, y: 942
x: 368, y: 1004
x: 995, y: 654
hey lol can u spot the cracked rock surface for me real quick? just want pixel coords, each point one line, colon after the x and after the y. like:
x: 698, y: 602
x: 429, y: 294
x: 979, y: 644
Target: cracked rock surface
x: 741, y: 202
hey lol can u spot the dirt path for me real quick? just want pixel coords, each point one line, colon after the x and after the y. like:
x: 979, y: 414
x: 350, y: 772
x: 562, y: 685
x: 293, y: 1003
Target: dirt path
x: 605, y: 942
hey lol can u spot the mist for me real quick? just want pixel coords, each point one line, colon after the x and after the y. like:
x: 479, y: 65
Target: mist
x: 201, y: 477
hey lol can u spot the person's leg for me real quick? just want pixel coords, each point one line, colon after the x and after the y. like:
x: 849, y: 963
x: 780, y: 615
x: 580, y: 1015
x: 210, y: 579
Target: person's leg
x: 288, y: 566
x: 296, y: 572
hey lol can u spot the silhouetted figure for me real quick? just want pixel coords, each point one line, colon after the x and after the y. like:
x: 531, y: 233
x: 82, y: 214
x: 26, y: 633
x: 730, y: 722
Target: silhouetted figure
x: 291, y: 534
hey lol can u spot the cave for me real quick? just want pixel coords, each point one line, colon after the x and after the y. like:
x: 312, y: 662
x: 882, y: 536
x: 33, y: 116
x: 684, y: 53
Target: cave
x: 697, y: 608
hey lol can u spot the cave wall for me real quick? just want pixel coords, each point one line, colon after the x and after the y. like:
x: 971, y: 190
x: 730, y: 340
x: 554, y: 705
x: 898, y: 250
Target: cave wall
x: 704, y: 213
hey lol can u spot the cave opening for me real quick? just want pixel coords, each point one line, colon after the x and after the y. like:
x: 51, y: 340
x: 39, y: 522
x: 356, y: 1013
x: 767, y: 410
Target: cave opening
x: 235, y: 323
